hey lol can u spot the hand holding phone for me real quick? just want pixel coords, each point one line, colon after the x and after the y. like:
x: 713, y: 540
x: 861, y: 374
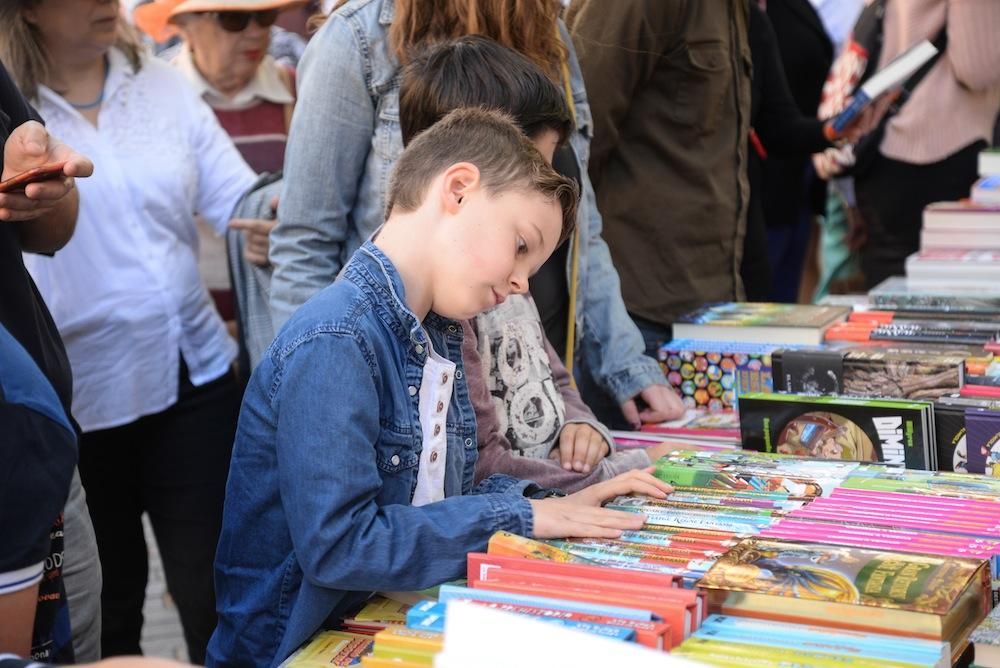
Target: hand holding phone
x: 46, y: 172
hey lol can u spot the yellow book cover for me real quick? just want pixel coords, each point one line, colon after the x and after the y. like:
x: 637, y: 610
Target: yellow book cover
x: 382, y: 662
x: 381, y: 609
x: 428, y: 641
x: 331, y: 648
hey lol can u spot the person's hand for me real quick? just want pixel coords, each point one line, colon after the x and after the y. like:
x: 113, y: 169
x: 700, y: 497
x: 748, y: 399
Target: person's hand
x: 636, y: 481
x: 30, y: 146
x: 580, y: 447
x: 580, y: 515
x: 662, y: 404
x: 256, y: 238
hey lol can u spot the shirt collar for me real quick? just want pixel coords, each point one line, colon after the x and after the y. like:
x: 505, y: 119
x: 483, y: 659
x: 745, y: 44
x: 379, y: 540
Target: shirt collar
x: 387, y: 13
x: 375, y: 268
x: 267, y: 83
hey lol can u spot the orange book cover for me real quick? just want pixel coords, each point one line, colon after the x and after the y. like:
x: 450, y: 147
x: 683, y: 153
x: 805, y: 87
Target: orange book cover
x: 675, y: 613
x: 689, y: 598
x: 478, y: 562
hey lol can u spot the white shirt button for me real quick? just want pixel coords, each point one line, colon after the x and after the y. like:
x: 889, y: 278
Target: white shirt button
x: 412, y: 390
x: 437, y: 430
x: 394, y: 460
x: 440, y: 406
x: 444, y: 379
x: 434, y: 456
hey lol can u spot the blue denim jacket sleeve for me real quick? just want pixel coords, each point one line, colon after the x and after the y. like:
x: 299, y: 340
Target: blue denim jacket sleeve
x: 346, y: 533
x: 328, y: 143
x: 610, y: 344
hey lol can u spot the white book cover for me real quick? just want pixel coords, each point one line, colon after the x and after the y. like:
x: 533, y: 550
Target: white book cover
x: 889, y: 78
x: 987, y: 191
x: 961, y: 215
x: 989, y: 162
x: 486, y: 638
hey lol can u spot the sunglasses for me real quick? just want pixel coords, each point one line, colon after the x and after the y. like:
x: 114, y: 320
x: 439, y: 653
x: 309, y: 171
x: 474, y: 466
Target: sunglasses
x: 238, y: 21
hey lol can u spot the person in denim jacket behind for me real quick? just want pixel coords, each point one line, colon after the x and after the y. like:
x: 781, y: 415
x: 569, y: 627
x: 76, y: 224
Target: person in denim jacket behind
x: 345, y: 134
x: 355, y: 454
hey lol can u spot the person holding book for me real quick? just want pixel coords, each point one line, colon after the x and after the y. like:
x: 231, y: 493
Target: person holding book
x: 930, y: 147
x: 346, y: 132
x: 524, y: 400
x: 354, y: 458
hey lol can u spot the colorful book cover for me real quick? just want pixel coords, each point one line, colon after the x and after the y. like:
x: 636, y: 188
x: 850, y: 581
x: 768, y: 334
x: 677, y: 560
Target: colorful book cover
x: 772, y: 324
x: 840, y: 428
x: 713, y: 374
x: 331, y: 648
x: 982, y: 435
x: 455, y: 593
x: 869, y: 371
x: 986, y: 638
x: 506, y: 544
x: 798, y: 582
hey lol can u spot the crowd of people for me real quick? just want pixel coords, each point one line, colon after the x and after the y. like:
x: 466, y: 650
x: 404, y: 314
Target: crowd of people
x: 447, y: 271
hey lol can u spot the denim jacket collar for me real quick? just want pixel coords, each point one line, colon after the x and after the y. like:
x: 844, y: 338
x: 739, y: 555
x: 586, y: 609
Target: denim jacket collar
x: 388, y: 12
x: 374, y: 268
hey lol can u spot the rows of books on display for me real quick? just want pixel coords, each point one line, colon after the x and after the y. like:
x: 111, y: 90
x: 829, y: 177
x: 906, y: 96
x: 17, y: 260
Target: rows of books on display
x: 834, y: 499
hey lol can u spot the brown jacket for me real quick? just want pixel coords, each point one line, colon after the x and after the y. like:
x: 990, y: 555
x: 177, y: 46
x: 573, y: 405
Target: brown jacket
x: 669, y: 88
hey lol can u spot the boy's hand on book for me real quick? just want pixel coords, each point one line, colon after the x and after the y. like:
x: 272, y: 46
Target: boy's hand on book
x: 558, y: 518
x: 580, y: 448
x: 662, y: 404
x: 637, y: 481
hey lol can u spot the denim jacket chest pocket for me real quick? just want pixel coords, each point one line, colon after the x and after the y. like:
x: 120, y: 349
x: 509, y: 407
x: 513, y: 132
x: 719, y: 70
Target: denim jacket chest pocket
x: 397, y: 455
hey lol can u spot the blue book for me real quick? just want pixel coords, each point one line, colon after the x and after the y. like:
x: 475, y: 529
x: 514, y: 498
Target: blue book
x: 454, y: 593
x: 431, y: 618
x: 822, y: 639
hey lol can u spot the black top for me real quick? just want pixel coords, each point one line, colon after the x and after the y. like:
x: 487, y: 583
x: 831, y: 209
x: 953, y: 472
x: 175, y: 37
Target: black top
x: 550, y: 286
x: 22, y: 310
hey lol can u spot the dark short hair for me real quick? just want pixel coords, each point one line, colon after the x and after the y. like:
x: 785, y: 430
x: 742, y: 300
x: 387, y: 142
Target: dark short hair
x: 489, y: 139
x: 475, y: 71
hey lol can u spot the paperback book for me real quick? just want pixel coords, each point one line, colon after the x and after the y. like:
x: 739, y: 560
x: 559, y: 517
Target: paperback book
x: 758, y: 322
x: 712, y: 374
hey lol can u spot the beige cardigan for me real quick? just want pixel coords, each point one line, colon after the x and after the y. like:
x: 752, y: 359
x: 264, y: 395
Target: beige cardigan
x: 957, y: 102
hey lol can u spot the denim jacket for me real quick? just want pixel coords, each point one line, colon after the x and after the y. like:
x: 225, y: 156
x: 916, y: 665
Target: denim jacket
x: 345, y: 137
x: 324, y: 467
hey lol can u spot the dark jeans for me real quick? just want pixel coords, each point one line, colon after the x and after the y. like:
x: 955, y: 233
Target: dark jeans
x: 604, y: 406
x: 892, y: 196
x: 172, y: 465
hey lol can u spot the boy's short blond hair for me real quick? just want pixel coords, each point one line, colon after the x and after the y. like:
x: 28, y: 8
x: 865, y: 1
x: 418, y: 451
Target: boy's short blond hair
x: 490, y: 140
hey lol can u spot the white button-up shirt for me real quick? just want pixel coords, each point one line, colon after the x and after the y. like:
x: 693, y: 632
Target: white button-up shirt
x: 125, y: 291
x: 436, y: 386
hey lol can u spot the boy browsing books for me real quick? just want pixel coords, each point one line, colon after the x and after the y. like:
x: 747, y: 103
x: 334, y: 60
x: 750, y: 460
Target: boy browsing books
x: 354, y: 458
x: 525, y: 401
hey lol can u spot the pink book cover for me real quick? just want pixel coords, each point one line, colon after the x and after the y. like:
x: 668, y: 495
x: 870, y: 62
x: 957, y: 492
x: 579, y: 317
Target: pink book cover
x: 878, y: 544
x: 950, y: 544
x: 906, y: 522
x: 915, y: 499
x: 974, y: 516
x: 893, y: 533
x: 888, y: 516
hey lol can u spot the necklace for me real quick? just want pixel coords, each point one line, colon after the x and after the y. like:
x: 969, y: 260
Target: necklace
x: 100, y: 98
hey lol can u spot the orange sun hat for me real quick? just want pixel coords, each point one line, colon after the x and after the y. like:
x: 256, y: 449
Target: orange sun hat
x: 156, y: 18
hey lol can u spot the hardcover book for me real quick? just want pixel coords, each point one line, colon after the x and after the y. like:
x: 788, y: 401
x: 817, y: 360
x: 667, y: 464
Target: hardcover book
x: 759, y: 322
x: 922, y: 596
x: 986, y: 639
x: 897, y: 294
x: 897, y: 433
x: 870, y: 371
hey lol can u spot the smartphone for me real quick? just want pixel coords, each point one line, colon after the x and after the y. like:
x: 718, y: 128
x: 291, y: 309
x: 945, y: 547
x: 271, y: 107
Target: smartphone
x: 17, y: 183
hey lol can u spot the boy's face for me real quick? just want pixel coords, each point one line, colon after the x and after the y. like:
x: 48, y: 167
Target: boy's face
x: 491, y: 245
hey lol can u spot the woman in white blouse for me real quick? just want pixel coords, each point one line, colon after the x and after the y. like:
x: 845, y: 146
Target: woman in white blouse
x: 154, y: 392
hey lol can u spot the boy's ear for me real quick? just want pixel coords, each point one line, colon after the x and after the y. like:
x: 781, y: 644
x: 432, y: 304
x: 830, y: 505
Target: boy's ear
x: 459, y: 180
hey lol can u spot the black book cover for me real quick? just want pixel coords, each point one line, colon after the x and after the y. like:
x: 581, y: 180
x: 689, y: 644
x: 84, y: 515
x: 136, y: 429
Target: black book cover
x: 895, y: 433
